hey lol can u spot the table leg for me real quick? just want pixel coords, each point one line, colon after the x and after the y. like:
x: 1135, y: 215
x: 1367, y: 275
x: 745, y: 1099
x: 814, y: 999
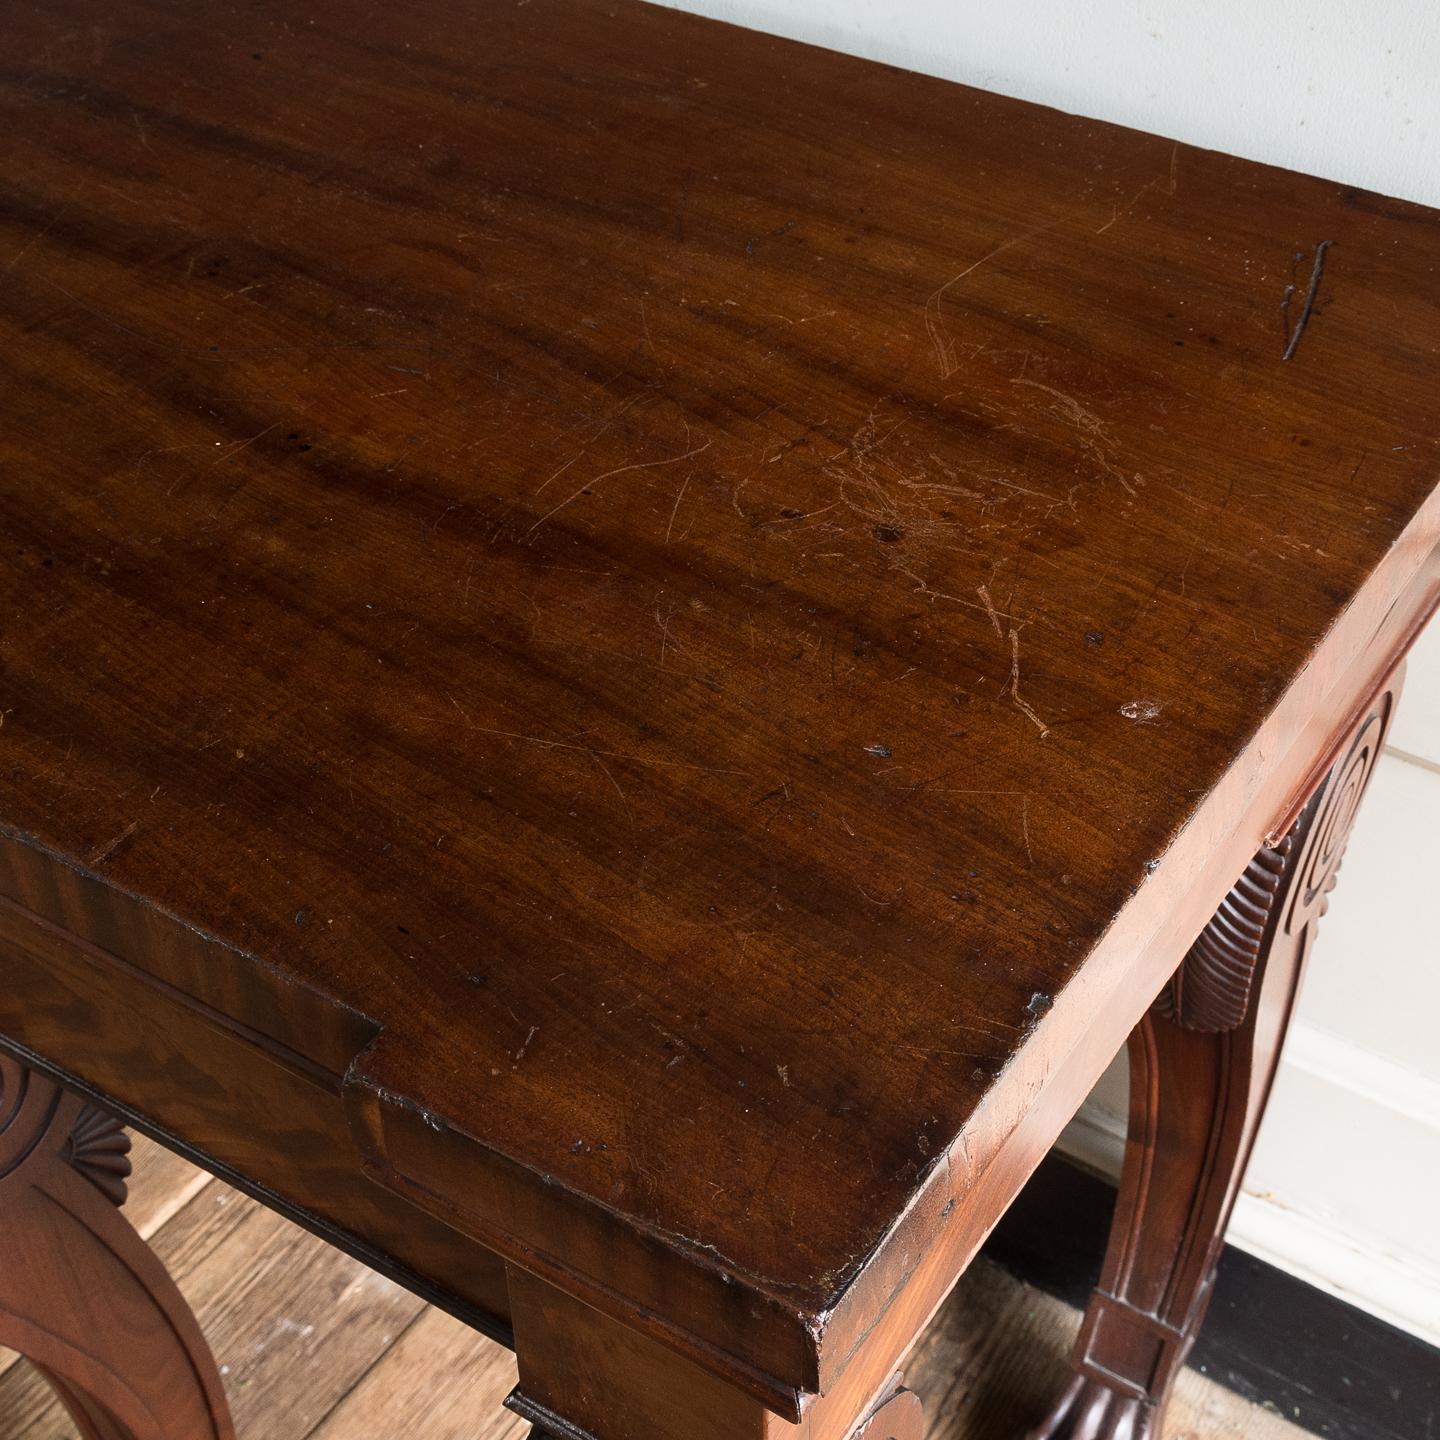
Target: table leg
x: 898, y: 1415
x: 584, y: 1376
x: 81, y: 1295
x: 1201, y: 1064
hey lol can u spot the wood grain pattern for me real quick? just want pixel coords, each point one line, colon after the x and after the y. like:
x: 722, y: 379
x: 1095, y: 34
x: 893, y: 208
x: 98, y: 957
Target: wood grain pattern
x: 694, y: 625
x: 438, y: 1381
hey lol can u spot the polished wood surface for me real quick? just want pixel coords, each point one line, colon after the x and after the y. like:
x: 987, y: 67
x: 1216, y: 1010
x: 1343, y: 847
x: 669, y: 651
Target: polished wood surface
x: 686, y: 626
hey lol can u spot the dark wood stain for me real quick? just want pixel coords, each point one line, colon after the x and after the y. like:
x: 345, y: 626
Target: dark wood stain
x: 544, y: 548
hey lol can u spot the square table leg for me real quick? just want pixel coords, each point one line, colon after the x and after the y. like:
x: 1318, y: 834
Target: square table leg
x: 585, y: 1376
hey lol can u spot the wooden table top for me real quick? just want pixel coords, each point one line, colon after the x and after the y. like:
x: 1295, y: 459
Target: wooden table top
x: 680, y: 609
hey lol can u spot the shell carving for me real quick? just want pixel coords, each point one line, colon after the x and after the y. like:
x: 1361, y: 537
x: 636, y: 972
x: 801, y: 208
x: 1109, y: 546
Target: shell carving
x: 99, y: 1148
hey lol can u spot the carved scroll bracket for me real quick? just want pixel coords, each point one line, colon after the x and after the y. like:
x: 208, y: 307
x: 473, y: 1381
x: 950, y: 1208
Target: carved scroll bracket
x: 1285, y: 884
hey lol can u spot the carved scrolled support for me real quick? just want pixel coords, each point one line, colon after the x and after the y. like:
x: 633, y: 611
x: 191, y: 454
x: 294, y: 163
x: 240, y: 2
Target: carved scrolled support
x: 898, y: 1416
x: 1201, y: 1064
x: 1211, y: 989
x: 81, y: 1295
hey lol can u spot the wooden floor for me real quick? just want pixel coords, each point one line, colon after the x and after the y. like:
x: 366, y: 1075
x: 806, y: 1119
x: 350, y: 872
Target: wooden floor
x: 313, y: 1346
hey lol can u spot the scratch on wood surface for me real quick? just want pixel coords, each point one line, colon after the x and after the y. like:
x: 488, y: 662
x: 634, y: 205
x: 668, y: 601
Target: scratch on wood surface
x: 525, y: 1044
x: 990, y: 610
x: 105, y: 851
x: 604, y: 424
x: 615, y: 784
x: 556, y: 474
x: 675, y: 509
x: 1090, y: 428
x: 240, y: 445
x: 618, y: 470
x: 935, y: 326
x: 925, y: 588
x: 1118, y: 213
x: 1317, y: 267
x: 1020, y: 704
x: 546, y: 744
x: 1070, y: 407
x: 34, y: 240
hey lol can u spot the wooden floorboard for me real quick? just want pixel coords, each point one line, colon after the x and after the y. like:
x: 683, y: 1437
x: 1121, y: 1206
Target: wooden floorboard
x: 313, y: 1346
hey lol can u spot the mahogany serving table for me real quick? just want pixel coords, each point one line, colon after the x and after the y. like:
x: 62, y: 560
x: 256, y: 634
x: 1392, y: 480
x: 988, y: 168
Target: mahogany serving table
x: 630, y: 651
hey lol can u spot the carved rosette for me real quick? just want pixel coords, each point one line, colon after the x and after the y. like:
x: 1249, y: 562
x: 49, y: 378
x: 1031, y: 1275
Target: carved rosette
x: 1319, y: 866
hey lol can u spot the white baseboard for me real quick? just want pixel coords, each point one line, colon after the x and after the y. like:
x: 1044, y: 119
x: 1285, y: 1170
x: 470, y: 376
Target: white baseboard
x: 1095, y: 1138
x: 1344, y: 1188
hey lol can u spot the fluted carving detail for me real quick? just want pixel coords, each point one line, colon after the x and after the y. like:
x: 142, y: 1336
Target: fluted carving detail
x: 1211, y: 989
x: 99, y: 1148
x: 28, y: 1107
x: 1210, y: 992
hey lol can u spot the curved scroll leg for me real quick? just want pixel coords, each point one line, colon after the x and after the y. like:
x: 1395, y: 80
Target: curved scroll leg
x: 81, y: 1295
x: 1201, y: 1064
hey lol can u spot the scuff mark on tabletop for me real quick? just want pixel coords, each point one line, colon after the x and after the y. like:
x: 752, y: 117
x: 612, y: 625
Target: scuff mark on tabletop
x: 593, y: 484
x: 107, y: 850
x: 768, y: 235
x: 1317, y: 268
x: 1143, y: 712
x: 1014, y: 686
